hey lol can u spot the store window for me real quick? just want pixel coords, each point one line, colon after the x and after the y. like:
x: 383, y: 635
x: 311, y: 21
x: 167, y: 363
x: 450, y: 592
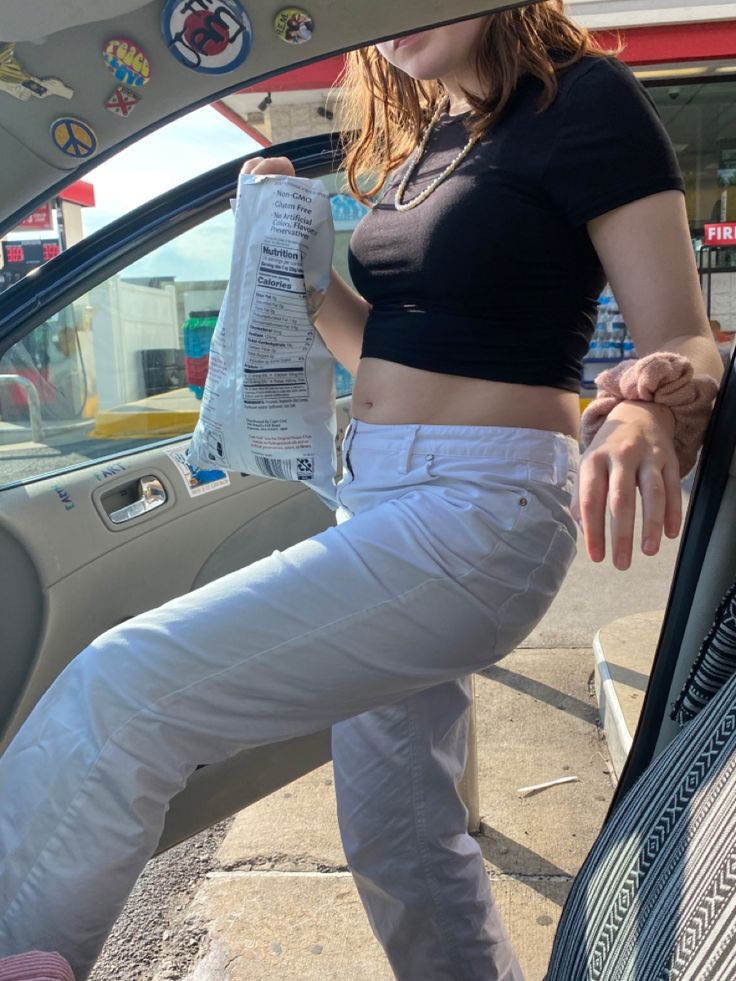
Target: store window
x: 699, y: 113
x: 700, y: 117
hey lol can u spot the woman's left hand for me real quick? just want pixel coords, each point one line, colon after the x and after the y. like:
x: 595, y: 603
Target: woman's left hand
x: 634, y: 448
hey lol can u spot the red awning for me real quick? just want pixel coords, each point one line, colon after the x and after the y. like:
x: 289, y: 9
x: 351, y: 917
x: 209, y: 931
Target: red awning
x: 320, y: 75
x: 676, y: 42
x: 80, y: 192
x: 644, y: 46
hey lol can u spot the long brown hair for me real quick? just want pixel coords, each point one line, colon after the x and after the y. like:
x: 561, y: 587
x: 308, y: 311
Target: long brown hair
x: 383, y: 110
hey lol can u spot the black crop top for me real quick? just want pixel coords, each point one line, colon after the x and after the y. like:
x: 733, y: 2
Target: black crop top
x: 493, y: 275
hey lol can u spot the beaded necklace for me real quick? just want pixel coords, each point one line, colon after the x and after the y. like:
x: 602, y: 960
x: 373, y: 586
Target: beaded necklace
x: 417, y: 155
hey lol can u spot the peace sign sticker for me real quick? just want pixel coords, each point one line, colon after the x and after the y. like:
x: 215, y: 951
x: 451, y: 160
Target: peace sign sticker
x: 74, y: 137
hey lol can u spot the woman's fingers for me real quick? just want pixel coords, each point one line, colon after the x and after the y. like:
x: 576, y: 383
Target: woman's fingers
x: 268, y: 165
x: 600, y: 490
x: 622, y: 502
x: 633, y: 454
x: 673, y: 498
x: 653, y: 506
x: 590, y: 506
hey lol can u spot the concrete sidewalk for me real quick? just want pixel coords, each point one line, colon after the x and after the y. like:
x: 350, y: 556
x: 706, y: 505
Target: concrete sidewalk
x: 281, y: 903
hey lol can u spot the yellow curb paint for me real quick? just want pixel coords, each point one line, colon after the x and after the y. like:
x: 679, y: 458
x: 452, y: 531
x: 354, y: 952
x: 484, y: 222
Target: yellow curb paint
x: 123, y: 425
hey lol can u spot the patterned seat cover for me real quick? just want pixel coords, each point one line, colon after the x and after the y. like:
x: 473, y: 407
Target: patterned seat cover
x: 656, y: 897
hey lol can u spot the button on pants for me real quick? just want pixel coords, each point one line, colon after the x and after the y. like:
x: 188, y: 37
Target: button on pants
x: 450, y: 545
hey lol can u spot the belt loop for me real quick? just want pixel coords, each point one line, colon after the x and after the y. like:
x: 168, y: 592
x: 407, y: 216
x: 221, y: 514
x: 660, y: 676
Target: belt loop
x: 406, y: 449
x: 565, y: 462
x: 561, y: 461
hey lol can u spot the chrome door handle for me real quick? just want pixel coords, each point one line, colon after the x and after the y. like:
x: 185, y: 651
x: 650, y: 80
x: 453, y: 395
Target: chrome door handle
x: 151, y: 495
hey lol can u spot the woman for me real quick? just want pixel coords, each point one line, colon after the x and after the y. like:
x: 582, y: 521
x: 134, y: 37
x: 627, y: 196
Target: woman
x: 539, y: 165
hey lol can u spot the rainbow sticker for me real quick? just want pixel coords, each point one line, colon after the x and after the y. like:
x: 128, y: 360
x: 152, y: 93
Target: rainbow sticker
x: 127, y: 61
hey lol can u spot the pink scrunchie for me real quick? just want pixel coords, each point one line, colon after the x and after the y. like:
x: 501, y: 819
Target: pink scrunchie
x: 667, y: 379
x: 35, y: 966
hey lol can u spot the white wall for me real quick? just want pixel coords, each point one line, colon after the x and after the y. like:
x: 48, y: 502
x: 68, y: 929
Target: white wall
x: 126, y: 319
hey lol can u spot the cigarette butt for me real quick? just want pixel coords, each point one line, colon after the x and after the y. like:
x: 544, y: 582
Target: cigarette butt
x: 528, y: 791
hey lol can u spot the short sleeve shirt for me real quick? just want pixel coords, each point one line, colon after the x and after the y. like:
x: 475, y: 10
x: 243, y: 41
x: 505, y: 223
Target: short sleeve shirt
x: 494, y: 275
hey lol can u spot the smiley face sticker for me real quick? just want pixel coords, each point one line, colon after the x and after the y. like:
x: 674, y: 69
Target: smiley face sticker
x: 128, y: 63
x: 209, y: 36
x: 294, y: 25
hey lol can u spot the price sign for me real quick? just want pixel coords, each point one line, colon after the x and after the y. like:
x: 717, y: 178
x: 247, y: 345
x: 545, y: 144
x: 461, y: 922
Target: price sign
x: 21, y: 257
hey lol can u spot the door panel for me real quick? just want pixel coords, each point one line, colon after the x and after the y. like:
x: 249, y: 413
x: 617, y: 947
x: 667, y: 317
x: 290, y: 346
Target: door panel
x: 706, y: 566
x: 86, y: 577
x: 68, y: 571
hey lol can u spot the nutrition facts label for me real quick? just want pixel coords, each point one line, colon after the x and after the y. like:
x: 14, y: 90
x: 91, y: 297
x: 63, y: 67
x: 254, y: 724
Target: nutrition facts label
x: 268, y: 406
x: 279, y: 332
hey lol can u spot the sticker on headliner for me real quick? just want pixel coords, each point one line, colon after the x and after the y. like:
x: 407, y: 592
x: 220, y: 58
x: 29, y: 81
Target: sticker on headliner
x: 294, y: 25
x: 209, y: 36
x: 74, y: 137
x: 123, y: 101
x: 20, y: 83
x: 128, y: 62
x: 197, y: 481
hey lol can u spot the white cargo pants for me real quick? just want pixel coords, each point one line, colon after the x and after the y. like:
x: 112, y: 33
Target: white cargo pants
x: 457, y: 541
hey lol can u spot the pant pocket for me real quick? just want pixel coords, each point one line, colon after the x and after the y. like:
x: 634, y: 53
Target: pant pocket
x: 522, y: 611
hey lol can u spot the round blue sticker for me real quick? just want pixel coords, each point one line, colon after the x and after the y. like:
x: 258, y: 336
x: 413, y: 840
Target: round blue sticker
x: 74, y: 137
x: 210, y: 36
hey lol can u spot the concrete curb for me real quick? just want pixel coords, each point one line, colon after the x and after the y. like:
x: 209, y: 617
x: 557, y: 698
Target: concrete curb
x: 616, y: 732
x: 623, y: 652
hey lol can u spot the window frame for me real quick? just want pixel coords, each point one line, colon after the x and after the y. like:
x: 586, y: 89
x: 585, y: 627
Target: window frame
x: 41, y: 294
x: 38, y: 296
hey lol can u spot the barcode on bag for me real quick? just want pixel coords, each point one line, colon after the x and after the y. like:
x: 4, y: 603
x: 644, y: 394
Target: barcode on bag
x: 282, y: 469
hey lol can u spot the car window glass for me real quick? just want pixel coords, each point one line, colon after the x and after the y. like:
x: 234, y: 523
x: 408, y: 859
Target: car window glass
x: 124, y: 365
x: 163, y: 160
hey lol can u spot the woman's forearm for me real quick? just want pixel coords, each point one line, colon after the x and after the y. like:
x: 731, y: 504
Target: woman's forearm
x: 341, y: 322
x: 701, y: 351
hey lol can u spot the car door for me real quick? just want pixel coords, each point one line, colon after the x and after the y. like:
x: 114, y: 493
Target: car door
x: 705, y: 569
x: 100, y: 516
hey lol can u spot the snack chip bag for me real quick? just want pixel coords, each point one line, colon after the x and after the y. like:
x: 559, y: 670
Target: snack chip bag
x: 268, y: 406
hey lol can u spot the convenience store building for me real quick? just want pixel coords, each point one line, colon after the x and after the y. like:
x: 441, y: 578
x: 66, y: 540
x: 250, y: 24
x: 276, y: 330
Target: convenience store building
x: 684, y: 53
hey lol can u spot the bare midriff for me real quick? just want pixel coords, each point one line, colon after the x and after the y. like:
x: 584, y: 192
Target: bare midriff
x: 388, y: 393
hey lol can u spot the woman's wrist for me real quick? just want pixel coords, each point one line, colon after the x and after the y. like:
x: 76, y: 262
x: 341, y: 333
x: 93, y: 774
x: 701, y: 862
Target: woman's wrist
x: 660, y: 381
x: 634, y: 410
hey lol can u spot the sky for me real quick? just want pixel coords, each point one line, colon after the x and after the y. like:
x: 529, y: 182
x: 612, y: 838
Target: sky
x: 172, y: 155
x: 175, y: 153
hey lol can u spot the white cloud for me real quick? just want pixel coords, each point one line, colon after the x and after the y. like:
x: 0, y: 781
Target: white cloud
x: 202, y: 253
x: 177, y: 152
